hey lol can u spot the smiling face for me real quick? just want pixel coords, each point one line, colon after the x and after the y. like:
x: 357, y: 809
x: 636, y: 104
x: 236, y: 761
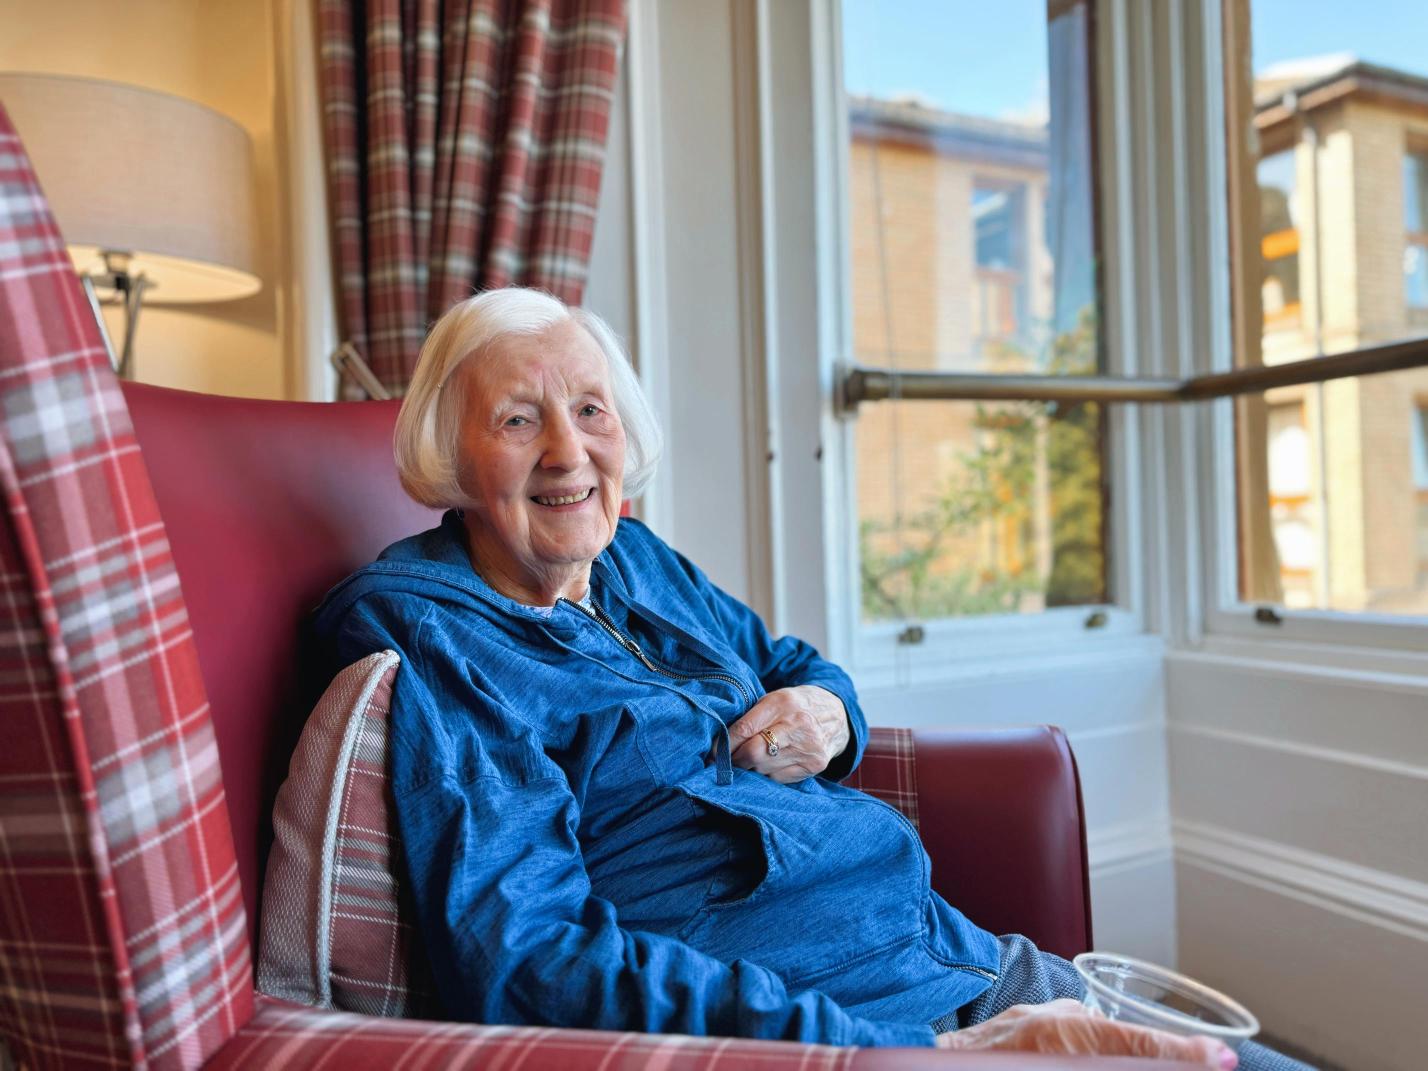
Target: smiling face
x: 543, y: 454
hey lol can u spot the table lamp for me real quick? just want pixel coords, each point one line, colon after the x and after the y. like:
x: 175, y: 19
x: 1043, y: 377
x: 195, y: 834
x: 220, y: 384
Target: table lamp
x: 153, y: 193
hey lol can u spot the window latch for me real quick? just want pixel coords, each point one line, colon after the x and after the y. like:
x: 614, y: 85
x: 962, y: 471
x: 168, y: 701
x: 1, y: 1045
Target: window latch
x: 911, y: 635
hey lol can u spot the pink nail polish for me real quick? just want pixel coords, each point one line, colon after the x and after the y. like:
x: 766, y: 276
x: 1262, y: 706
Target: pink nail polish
x: 1228, y: 1060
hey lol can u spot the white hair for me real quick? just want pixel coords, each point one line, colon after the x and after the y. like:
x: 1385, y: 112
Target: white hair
x: 427, y: 440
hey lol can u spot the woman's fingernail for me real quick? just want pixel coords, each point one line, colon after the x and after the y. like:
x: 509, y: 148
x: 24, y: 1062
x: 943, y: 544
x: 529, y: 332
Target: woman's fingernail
x: 1228, y: 1060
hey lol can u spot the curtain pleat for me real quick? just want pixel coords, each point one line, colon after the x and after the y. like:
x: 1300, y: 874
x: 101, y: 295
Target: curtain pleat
x: 466, y: 140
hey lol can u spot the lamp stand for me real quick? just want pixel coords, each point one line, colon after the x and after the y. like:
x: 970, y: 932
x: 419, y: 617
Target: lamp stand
x: 130, y: 290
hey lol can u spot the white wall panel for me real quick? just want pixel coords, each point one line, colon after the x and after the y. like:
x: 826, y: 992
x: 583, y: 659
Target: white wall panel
x: 1300, y: 799
x: 610, y: 287
x: 707, y: 419
x: 1083, y: 693
x: 1334, y: 804
x: 1368, y: 714
x: 1335, y: 984
x: 1129, y: 908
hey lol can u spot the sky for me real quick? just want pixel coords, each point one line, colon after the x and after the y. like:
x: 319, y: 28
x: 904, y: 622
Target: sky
x: 988, y: 57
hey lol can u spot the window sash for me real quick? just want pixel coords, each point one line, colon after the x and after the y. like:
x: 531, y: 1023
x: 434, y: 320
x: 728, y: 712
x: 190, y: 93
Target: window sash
x: 1226, y: 614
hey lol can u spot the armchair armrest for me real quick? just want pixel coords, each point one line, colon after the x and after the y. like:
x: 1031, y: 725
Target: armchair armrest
x: 294, y: 1037
x: 1000, y: 814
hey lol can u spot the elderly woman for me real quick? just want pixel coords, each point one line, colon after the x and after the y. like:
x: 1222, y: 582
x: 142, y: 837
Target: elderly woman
x: 617, y: 793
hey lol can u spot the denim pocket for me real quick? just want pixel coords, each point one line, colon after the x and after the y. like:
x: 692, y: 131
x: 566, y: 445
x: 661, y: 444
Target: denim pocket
x: 844, y: 878
x: 746, y: 872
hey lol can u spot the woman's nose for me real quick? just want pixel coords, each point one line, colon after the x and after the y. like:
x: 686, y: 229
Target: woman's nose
x: 564, y: 445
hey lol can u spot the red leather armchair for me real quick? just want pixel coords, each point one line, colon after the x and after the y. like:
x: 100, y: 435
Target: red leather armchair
x: 159, y: 553
x: 309, y: 493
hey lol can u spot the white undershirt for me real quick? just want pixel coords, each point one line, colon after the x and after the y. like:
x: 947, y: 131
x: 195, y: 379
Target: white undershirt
x: 546, y: 611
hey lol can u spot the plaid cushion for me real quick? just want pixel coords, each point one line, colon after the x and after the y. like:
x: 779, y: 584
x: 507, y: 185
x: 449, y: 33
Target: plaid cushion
x: 284, y: 1035
x: 335, y: 933
x: 889, y: 770
x: 123, y: 929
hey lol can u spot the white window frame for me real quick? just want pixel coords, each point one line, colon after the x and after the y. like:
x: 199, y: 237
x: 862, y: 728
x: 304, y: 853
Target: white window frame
x: 1229, y: 624
x: 952, y: 647
x: 1161, y: 154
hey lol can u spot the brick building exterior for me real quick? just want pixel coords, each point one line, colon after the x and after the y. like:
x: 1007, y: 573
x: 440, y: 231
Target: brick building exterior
x: 950, y: 272
x: 1341, y: 143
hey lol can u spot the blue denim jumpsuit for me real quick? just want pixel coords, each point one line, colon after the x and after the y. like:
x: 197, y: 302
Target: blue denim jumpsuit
x: 580, y: 849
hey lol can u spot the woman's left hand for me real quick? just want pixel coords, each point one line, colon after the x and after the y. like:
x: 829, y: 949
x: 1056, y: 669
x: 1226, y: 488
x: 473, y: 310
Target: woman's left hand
x: 809, y: 725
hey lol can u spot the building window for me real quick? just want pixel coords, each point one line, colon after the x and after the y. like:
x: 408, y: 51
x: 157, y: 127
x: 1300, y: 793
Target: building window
x: 1415, y: 218
x: 1279, y: 241
x: 1420, y: 484
x: 999, y: 241
x: 1292, y: 482
x: 972, y: 249
x: 1330, y: 514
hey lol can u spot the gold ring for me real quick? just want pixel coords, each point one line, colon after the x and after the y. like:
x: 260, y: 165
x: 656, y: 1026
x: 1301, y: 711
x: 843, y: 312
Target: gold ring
x: 770, y: 742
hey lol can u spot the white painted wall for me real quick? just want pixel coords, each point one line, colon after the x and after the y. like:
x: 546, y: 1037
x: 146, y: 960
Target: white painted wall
x: 223, y: 56
x: 1300, y: 800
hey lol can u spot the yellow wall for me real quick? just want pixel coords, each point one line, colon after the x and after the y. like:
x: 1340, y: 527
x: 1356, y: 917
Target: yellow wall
x: 221, y: 55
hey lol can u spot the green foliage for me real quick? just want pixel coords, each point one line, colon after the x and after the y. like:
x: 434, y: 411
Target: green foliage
x: 1075, y: 463
x: 909, y: 570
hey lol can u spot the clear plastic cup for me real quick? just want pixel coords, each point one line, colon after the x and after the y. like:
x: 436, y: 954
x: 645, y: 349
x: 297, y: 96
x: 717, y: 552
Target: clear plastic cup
x: 1133, y: 991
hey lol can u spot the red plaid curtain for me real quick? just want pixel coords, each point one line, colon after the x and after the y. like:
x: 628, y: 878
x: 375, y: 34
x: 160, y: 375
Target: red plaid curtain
x: 465, y: 143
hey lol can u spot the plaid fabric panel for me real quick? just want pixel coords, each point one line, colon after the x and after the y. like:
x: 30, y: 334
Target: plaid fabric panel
x: 888, y: 770
x: 60, y: 1004
x: 377, y: 962
x: 336, y: 929
x: 285, y: 1035
x: 465, y: 146
x: 98, y: 652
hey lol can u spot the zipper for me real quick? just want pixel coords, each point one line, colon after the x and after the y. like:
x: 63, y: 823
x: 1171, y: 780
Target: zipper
x: 598, y: 616
x: 988, y: 975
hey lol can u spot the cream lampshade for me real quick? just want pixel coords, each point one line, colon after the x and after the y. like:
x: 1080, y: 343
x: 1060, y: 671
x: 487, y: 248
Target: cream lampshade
x: 153, y: 193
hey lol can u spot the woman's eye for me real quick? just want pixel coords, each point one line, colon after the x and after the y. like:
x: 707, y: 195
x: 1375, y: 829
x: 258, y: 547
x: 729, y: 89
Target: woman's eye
x: 516, y: 422
x: 589, y: 410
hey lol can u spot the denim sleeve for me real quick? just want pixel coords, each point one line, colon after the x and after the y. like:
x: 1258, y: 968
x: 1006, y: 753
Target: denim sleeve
x: 512, y: 929
x: 783, y: 662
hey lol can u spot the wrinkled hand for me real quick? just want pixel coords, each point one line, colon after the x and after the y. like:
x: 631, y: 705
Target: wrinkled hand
x: 808, y: 722
x: 1069, y: 1028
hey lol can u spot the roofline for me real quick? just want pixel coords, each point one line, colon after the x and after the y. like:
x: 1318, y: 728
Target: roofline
x: 1386, y: 84
x: 949, y: 133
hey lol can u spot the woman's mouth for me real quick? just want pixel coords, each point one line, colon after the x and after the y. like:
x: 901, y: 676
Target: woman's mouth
x: 563, y: 500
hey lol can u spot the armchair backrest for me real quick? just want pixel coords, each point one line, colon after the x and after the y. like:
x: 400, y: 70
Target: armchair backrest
x: 267, y: 505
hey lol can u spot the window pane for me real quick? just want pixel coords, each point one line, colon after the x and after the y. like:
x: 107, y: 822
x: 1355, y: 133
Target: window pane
x: 1333, y: 515
x: 1279, y: 242
x: 972, y: 238
x: 1420, y: 486
x: 1415, y: 191
x: 1415, y: 219
x: 1002, y: 514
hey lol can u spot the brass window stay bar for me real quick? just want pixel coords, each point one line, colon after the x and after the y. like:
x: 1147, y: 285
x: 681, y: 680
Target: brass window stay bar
x: 880, y: 384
